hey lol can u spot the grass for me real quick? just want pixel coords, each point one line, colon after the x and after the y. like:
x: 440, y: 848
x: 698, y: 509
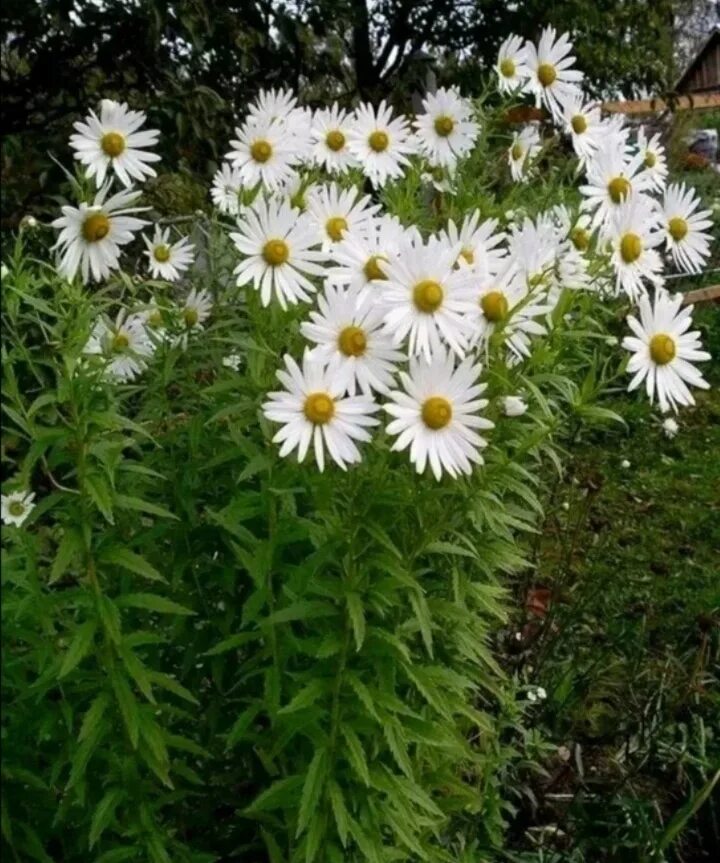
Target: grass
x: 620, y: 626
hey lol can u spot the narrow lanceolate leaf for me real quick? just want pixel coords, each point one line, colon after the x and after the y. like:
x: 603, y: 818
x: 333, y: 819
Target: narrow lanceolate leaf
x: 363, y: 693
x: 280, y: 795
x: 398, y: 745
x: 124, y: 502
x: 307, y: 696
x: 356, y: 754
x: 136, y: 669
x: 131, y: 561
x: 98, y: 490
x: 315, y: 835
x: 79, y: 647
x: 110, y: 617
x: 422, y: 615
x: 94, y: 715
x: 104, y: 813
x: 312, y: 789
x: 342, y: 819
x: 70, y: 547
x: 241, y: 725
x: 152, y: 602
x: 165, y: 681
x: 128, y: 706
x: 357, y: 617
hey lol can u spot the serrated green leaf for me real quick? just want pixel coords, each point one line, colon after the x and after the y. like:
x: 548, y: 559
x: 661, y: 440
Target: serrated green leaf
x: 128, y: 706
x: 356, y: 754
x: 340, y: 813
x: 98, y: 489
x: 152, y: 602
x: 71, y: 545
x: 104, y: 814
x: 79, y: 647
x: 280, y: 795
x: 241, y: 725
x: 123, y: 501
x: 312, y: 789
x: 131, y: 561
x: 357, y: 618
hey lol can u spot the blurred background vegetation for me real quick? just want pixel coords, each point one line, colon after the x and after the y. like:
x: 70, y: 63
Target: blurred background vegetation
x: 192, y: 64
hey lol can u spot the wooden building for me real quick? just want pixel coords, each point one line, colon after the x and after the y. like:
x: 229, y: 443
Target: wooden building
x: 703, y: 73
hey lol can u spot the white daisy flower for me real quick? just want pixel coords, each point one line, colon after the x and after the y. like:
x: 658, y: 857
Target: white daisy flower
x: 612, y: 177
x: 582, y: 121
x: 514, y: 406
x: 550, y: 77
x: 523, y: 150
x: 670, y: 427
x: 335, y: 211
x: 16, y: 507
x: 511, y: 66
x: 685, y: 228
x: 575, y: 227
x: 380, y: 143
x: 168, y: 260
x: 265, y: 153
x: 232, y: 361
x: 654, y: 159
x: 273, y: 104
x: 154, y: 318
x: 329, y: 133
x: 313, y: 410
x: 534, y: 248
x: 504, y: 302
x: 277, y: 243
x: 446, y: 130
x: 125, y: 346
x: 426, y: 298
x: 91, y: 235
x: 663, y: 351
x: 437, y: 414
x: 634, y: 235
x: 196, y: 309
x: 226, y: 189
x: 114, y: 141
x: 481, y: 245
x: 360, y: 258
x: 352, y: 341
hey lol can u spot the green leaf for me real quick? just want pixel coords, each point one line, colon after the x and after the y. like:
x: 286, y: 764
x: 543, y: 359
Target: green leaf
x: 166, y: 681
x: 110, y: 617
x: 303, y: 610
x: 422, y: 615
x: 342, y: 819
x: 356, y: 754
x: 79, y: 647
x: 104, y: 813
x: 139, y: 673
x: 312, y: 789
x: 241, y: 725
x: 357, y: 617
x: 315, y: 835
x: 680, y: 819
x: 232, y: 643
x: 152, y: 602
x: 71, y: 545
x: 449, y: 548
x: 99, y: 491
x: 306, y: 697
x: 128, y: 706
x: 282, y: 794
x: 93, y: 716
x: 122, y: 501
x: 363, y: 693
x: 131, y: 561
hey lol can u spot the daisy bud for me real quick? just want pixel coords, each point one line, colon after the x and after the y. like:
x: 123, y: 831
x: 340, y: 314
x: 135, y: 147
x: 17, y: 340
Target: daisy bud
x: 514, y: 406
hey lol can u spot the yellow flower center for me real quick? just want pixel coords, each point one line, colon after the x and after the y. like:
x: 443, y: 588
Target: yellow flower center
x: 677, y: 228
x: 507, y: 68
x: 95, y: 227
x: 517, y: 152
x: 16, y: 508
x: 650, y: 159
x: 191, y: 316
x: 120, y: 342
x: 335, y: 140
x: 631, y: 248
x: 444, y: 126
x: 276, y: 252
x: 162, y: 253
x: 261, y: 150
x: 319, y: 408
x: 336, y: 227
x: 619, y: 188
x: 494, y: 305
x: 579, y: 124
x: 580, y: 238
x: 352, y: 341
x: 662, y: 349
x: 113, y: 144
x: 155, y: 318
x: 372, y: 268
x: 436, y: 412
x: 468, y: 256
x: 427, y: 296
x: 378, y: 141
x: 547, y: 74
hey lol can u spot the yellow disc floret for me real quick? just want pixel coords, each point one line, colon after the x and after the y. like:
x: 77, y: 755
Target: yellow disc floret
x: 162, y: 253
x: 335, y: 140
x: 662, y: 349
x: 494, y: 305
x: 677, y: 228
x: 319, y: 408
x: 378, y: 141
x: 579, y: 124
x: 468, y: 256
x: 428, y: 296
x: 336, y: 227
x: 16, y: 508
x: 650, y: 159
x: 444, y: 126
x: 352, y: 341
x: 261, y: 150
x: 276, y: 252
x: 190, y: 316
x: 436, y: 412
x: 96, y: 227
x: 120, y: 341
x: 507, y: 68
x: 618, y: 189
x: 517, y: 151
x: 113, y: 144
x: 631, y: 248
x: 547, y: 74
x: 580, y: 238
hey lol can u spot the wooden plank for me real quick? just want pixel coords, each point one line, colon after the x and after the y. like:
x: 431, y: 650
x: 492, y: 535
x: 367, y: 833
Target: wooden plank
x: 698, y: 102
x: 702, y: 295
